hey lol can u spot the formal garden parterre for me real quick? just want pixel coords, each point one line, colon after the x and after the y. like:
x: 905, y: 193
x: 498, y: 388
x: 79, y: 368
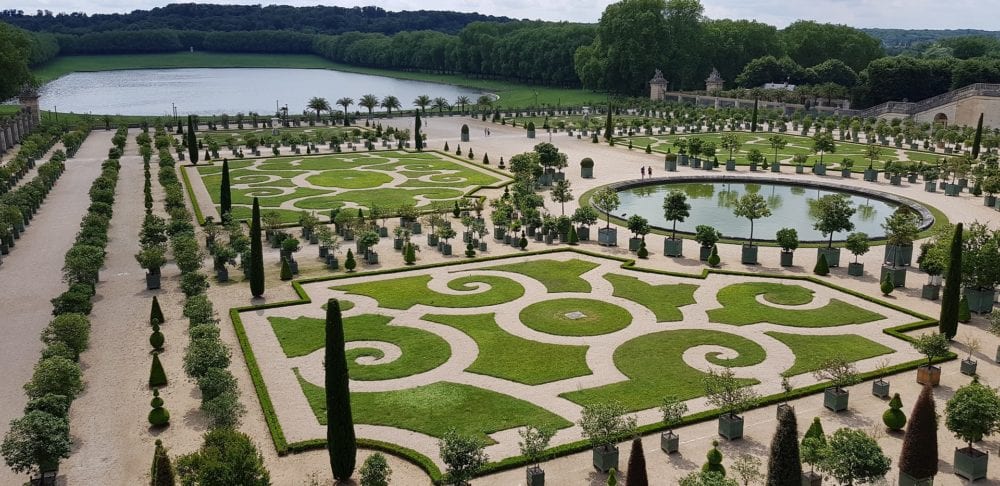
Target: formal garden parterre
x: 489, y: 347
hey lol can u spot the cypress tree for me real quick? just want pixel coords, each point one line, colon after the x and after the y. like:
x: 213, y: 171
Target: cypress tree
x: 256, y: 253
x: 948, y: 321
x: 162, y: 472
x: 192, y: 142
x: 286, y: 270
x: 919, y: 457
x: 418, y: 140
x: 155, y: 314
x: 964, y: 314
x: 349, y: 263
x: 784, y: 466
x: 157, y: 377
x: 978, y: 139
x: 340, y: 440
x: 822, y: 268
x: 225, y: 195
x: 636, y: 475
x: 753, y: 117
x: 607, y: 125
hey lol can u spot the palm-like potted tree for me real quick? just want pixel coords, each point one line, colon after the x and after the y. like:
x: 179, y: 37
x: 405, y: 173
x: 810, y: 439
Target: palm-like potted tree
x: 788, y: 240
x: 933, y: 346
x: 675, y: 208
x: 751, y: 206
x: 673, y: 411
x: 732, y: 396
x: 318, y: 105
x: 604, y: 425
x: 873, y: 153
x: 840, y: 373
x: 972, y: 413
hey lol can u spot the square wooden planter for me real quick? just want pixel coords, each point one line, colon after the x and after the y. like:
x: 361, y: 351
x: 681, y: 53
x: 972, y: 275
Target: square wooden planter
x: 607, y: 237
x: 704, y: 252
x: 930, y: 292
x: 811, y: 479
x: 855, y: 269
x: 669, y: 442
x: 907, y: 480
x: 880, y: 388
x: 673, y: 248
x: 749, y: 255
x: 836, y: 400
x: 929, y: 375
x: 605, y: 458
x: 731, y: 426
x: 832, y: 256
x: 535, y: 476
x: 787, y: 258
x: 968, y: 367
x: 980, y: 301
x: 898, y: 275
x: 971, y: 463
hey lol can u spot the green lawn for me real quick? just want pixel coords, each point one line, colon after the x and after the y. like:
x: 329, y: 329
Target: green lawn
x: 557, y: 276
x: 422, y: 350
x: 663, y: 300
x: 812, y: 351
x: 345, y: 305
x: 436, y: 408
x: 406, y: 292
x: 600, y: 317
x: 740, y: 307
x: 655, y: 367
x: 511, y: 94
x: 503, y: 355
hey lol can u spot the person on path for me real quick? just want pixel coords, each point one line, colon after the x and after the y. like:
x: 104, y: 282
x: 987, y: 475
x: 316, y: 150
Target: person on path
x: 643, y: 171
x: 649, y: 171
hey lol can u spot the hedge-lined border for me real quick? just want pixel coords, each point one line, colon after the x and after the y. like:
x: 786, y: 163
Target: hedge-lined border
x: 505, y: 180
x: 428, y: 466
x: 940, y: 219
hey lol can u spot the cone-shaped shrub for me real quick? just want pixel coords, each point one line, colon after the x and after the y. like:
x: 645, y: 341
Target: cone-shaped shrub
x: 156, y: 339
x: 714, y: 463
x: 612, y: 477
x: 919, y: 457
x: 256, y: 253
x: 636, y: 474
x: 784, y: 466
x: 409, y: 254
x: 158, y: 416
x: 339, y: 421
x: 887, y: 285
x: 155, y: 313
x: 162, y: 472
x: 286, y: 270
x: 225, y: 193
x: 714, y: 259
x: 822, y: 267
x: 815, y: 431
x: 573, y: 238
x: 349, y: 263
x: 486, y: 159
x: 649, y: 148
x: 948, y: 321
x: 157, y: 377
x: 894, y: 418
x: 446, y: 146
x: 964, y: 315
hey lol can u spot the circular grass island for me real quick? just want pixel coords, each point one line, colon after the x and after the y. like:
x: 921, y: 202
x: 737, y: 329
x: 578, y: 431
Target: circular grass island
x: 575, y: 317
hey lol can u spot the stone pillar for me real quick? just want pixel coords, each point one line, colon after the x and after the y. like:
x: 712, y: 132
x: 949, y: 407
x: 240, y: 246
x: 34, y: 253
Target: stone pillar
x: 29, y: 99
x: 3, y: 141
x: 8, y: 142
x: 15, y: 133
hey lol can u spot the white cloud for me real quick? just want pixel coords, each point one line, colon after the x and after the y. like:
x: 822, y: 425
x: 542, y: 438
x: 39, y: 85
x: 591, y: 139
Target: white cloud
x: 912, y: 14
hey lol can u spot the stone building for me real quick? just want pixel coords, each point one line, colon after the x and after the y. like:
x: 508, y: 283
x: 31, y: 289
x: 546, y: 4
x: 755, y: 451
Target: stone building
x: 657, y: 86
x: 714, y: 83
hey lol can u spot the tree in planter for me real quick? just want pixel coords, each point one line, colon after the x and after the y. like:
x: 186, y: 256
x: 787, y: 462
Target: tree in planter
x: 256, y: 253
x: 463, y: 455
x: 919, y: 456
x: 980, y: 260
x: 931, y: 345
x: 731, y: 395
x: 605, y: 424
x: 834, y: 213
x: 822, y: 144
x: 873, y: 153
x: 751, y: 206
x: 854, y: 457
x: 731, y: 142
x: 673, y: 411
x: 858, y: 244
x: 839, y: 372
x: 639, y: 226
x: 948, y: 321
x: 35, y: 443
x: 747, y: 469
x: 675, y: 208
x: 606, y: 201
x: 784, y: 466
x: 340, y: 423
x: 901, y: 228
x: 561, y: 194
x: 534, y: 441
x: 151, y: 258
x: 972, y: 413
x: 813, y: 452
x: 788, y: 240
x: 706, y: 235
x: 777, y: 143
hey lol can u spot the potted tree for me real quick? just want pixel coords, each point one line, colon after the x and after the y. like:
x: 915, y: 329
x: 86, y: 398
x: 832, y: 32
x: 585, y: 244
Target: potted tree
x: 846, y: 166
x: 930, y: 173
x: 813, y: 451
x: 980, y: 266
x: 872, y: 153
x: 858, y: 244
x: 587, y: 168
x: 606, y: 201
x: 933, y: 346
x: 604, y: 425
x: 445, y: 233
x: 994, y: 329
x: 853, y: 457
x: 834, y: 213
x: 534, y: 441
x: 670, y: 162
x: 408, y: 218
x: 707, y: 236
x: 434, y: 220
x: 152, y: 258
x: 777, y: 143
x: 673, y: 411
x: 639, y: 227
x: 675, y: 208
x: 731, y: 142
x: 756, y: 158
x: 731, y: 396
x: 682, y: 154
x: 751, y: 206
x: 968, y: 366
x: 901, y: 228
x: 585, y: 217
x: 972, y: 413
x: 329, y: 242
x: 880, y: 387
x: 840, y: 373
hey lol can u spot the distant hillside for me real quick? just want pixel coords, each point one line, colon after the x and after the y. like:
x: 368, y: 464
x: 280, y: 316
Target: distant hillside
x: 208, y: 17
x: 899, y: 39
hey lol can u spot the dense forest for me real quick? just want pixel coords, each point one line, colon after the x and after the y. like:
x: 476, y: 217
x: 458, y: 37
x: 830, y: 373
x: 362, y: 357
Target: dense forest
x: 897, y: 41
x: 619, y: 54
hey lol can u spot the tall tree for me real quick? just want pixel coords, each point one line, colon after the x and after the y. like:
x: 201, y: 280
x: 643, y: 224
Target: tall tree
x: 319, y: 105
x: 632, y: 42
x: 753, y: 117
x: 390, y: 103
x: 192, y: 141
x: 978, y: 139
x: 418, y: 138
x: 225, y: 192
x: 608, y: 127
x: 370, y: 102
x: 422, y: 102
x: 346, y: 102
x: 340, y: 441
x: 440, y: 104
x: 948, y: 320
x: 256, y: 253
x: 462, y: 101
x: 784, y: 466
x: 636, y: 474
x: 14, y: 58
x: 919, y: 457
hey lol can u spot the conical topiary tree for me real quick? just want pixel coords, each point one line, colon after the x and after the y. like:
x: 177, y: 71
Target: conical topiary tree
x: 636, y: 474
x: 964, y: 314
x: 409, y: 254
x: 784, y: 466
x: 349, y: 262
x: 486, y: 159
x: 156, y: 338
x: 158, y: 416
x: 894, y: 418
x: 192, y: 141
x: 162, y: 471
x: 256, y: 253
x: 822, y: 267
x: 157, y: 377
x: 340, y: 441
x: 714, y: 463
x: 573, y: 238
x: 446, y: 146
x: 612, y: 477
x: 948, y: 320
x: 155, y: 313
x: 286, y: 270
x: 225, y: 192
x: 919, y: 457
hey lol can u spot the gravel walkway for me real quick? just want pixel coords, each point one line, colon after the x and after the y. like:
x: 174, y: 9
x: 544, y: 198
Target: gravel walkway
x: 31, y: 275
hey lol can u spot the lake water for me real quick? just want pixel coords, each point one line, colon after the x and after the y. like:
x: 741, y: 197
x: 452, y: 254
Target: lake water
x: 712, y: 204
x: 230, y: 90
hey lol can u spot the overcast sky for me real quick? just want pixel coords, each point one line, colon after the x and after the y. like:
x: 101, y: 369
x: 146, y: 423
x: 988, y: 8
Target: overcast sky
x: 910, y: 14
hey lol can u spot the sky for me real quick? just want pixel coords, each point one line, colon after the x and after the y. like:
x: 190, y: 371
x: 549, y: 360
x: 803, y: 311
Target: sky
x: 907, y: 14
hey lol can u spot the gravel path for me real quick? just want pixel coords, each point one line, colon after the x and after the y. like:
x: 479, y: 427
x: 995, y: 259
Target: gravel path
x: 31, y: 278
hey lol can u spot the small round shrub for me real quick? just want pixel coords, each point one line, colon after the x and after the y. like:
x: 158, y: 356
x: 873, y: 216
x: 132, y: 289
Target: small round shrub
x: 156, y: 338
x: 714, y: 463
x: 714, y: 259
x: 158, y: 416
x: 587, y: 162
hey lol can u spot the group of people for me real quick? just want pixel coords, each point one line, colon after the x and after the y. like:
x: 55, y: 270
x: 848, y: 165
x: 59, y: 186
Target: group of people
x: 646, y: 171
